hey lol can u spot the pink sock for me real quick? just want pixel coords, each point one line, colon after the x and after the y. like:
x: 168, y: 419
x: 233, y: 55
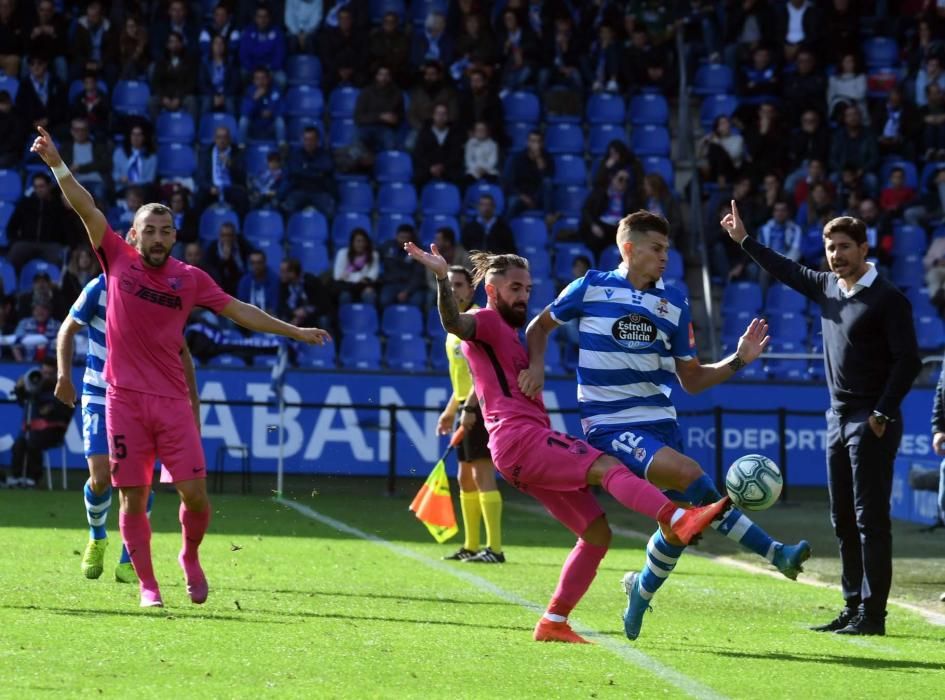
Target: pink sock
x: 193, y: 526
x: 577, y: 574
x: 136, y: 534
x: 637, y: 494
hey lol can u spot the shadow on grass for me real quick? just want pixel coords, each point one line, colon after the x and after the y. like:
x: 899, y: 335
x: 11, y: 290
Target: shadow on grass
x: 166, y: 613
x: 396, y: 620
x: 868, y: 663
x: 373, y: 596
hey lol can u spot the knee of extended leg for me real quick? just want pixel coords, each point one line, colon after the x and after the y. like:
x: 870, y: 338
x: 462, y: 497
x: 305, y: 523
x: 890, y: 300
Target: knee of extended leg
x: 598, y: 533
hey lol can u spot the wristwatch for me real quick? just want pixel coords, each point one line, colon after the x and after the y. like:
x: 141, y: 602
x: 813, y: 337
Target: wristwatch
x: 882, y: 418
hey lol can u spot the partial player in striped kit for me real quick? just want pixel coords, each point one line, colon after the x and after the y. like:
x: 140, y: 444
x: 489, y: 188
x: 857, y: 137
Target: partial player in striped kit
x: 635, y: 335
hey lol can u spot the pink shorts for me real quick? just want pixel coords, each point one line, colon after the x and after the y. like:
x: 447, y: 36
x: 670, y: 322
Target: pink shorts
x: 552, y: 468
x: 144, y: 427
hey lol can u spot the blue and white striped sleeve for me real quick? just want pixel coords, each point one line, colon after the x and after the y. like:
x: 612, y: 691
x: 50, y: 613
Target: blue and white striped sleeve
x: 570, y: 302
x: 86, y: 306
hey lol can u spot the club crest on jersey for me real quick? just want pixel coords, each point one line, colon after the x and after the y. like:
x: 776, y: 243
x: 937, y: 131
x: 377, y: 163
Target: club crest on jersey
x: 639, y: 454
x: 634, y: 331
x: 174, y: 283
x: 662, y: 307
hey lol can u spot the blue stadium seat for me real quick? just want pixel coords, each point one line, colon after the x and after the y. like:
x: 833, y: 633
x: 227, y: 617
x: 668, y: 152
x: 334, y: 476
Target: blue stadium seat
x: 303, y: 69
x: 678, y: 284
x: 927, y: 176
x: 713, y: 79
x: 909, y: 170
x: 304, y: 101
x: 564, y: 138
x: 735, y: 321
x: 438, y: 359
x: 570, y: 222
x: 433, y: 326
x: 30, y: 269
x: 909, y: 240
x: 661, y: 165
x: 565, y: 253
x: 431, y: 222
x: 356, y: 196
x: 378, y: 8
x: 930, y: 333
x: 649, y: 108
x: 543, y: 291
x: 212, y: 218
x: 419, y: 9
x: 569, y: 199
x: 387, y: 225
x: 881, y: 52
x: 570, y: 169
x: 553, y: 364
x: 344, y: 224
x: 360, y: 351
x: 396, y: 198
x: 342, y: 132
x: 307, y: 225
x: 529, y: 231
x: 879, y: 82
x: 341, y: 102
x: 131, y: 97
x: 8, y: 284
x: 475, y: 191
x: 406, y: 353
x: 313, y: 256
x: 600, y: 136
x: 175, y: 127
x: 715, y: 106
x: 76, y: 87
x: 209, y: 123
x: 272, y: 249
x: 226, y: 360
x: 606, y: 108
x: 609, y: 258
x: 440, y: 198
x: 176, y: 160
x: 317, y: 356
x: 357, y: 318
x: 781, y: 298
x: 539, y: 261
x: 650, y: 140
x: 521, y: 106
x: 402, y: 319
x: 11, y: 186
x: 742, y: 296
x: 393, y: 166
x: 675, y: 269
x: 907, y: 271
x: 795, y: 370
x: 789, y: 326
x: 517, y: 133
x: 12, y: 86
x: 263, y: 223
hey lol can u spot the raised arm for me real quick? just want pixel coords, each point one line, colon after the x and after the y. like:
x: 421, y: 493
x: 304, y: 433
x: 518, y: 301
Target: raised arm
x: 695, y: 376
x: 65, y: 389
x: 459, y: 324
x: 79, y: 198
x: 255, y: 319
x: 532, y: 380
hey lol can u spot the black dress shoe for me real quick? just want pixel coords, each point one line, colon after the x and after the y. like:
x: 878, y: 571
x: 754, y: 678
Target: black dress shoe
x: 845, y: 617
x: 863, y: 625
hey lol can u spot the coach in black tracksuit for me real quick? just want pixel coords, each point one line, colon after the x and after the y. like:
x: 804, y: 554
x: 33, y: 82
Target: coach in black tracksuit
x: 871, y: 359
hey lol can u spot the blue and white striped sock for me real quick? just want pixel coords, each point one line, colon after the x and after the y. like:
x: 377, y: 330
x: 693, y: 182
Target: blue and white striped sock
x: 96, y: 510
x: 124, y: 552
x: 661, y: 558
x: 737, y: 526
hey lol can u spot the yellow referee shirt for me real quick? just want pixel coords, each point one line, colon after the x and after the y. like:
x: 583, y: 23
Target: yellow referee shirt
x: 460, y: 376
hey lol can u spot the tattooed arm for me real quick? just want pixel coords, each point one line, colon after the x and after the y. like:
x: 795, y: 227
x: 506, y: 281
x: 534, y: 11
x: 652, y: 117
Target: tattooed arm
x: 459, y: 324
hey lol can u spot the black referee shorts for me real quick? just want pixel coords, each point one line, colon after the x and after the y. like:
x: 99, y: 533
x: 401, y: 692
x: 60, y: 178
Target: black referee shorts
x: 475, y: 444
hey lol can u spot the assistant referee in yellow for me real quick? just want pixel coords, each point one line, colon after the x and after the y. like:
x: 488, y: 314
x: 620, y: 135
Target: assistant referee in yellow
x: 479, y: 497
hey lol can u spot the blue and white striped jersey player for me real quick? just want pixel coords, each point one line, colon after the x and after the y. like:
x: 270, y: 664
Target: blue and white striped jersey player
x: 635, y: 335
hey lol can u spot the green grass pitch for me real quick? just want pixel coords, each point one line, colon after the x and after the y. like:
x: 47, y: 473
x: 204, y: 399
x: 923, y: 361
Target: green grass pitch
x: 299, y: 609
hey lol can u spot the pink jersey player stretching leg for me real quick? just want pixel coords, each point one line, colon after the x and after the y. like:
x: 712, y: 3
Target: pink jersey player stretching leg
x: 554, y: 468
x: 148, y: 413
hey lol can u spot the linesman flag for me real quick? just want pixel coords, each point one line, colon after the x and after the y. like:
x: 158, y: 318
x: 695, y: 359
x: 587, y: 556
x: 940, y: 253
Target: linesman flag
x: 433, y: 504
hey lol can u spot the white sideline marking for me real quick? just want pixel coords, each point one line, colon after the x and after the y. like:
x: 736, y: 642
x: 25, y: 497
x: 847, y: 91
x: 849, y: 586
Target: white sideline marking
x: 625, y: 652
x: 930, y: 616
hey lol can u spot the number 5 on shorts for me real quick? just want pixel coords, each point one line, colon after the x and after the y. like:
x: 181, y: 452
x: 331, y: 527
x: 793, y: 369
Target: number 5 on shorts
x: 626, y: 442
x: 119, y: 449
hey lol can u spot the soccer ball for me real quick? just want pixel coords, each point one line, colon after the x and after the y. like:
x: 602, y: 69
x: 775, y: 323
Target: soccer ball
x: 753, y: 482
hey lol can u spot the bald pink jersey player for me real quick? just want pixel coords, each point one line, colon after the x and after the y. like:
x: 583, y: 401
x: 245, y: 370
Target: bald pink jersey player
x: 148, y: 410
x: 554, y: 468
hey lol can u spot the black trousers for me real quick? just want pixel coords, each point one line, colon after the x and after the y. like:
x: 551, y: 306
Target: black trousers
x: 860, y: 475
x: 28, y: 452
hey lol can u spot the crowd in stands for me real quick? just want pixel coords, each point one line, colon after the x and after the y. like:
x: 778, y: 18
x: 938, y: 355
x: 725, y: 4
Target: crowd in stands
x: 299, y: 143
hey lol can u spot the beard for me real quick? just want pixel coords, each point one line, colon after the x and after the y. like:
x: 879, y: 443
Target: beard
x: 154, y: 258
x: 514, y: 314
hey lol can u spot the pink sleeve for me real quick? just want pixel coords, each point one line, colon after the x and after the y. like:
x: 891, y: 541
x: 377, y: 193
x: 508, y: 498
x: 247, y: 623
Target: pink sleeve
x: 111, y: 248
x: 487, y: 321
x: 209, y: 294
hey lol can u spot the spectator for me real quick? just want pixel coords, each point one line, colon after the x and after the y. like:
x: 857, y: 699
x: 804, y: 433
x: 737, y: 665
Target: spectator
x: 841, y: 30
x: 656, y: 16
x: 122, y: 215
x: 193, y: 255
x: 804, y: 89
x: 931, y: 204
x: 562, y: 58
x: 931, y: 74
x: 303, y: 299
x: 602, y: 68
x: 261, y: 111
x: 219, y: 79
x: 520, y: 51
x: 81, y: 268
x: 772, y: 192
x: 638, y: 52
x: 226, y: 258
x: 12, y: 133
x: 259, y: 286
x: 854, y: 147
x: 603, y: 209
x: 433, y: 90
x: 724, y: 150
x: 186, y: 223
x: 934, y: 264
x: 810, y: 141
x: 221, y: 24
x: 433, y: 43
x: 44, y: 292
x: 439, y: 151
x: 656, y: 78
x: 817, y: 208
x: 481, y: 104
x: 302, y: 18
x: 174, y: 80
x: 619, y: 157
x: 452, y: 252
x: 759, y: 80
x: 13, y: 37
x: 933, y: 120
x: 134, y: 162
x: 87, y: 160
x: 7, y: 326
x: 476, y: 46
x: 389, y: 46
x: 269, y: 188
x: 311, y: 182
x: 816, y: 174
x: 897, y: 125
x: 659, y: 199
x: 379, y: 113
x: 921, y: 46
x: 481, y: 155
x: 176, y: 20
x: 529, y: 177
x: 42, y: 100
x: 49, y: 37
x: 879, y: 234
x: 896, y: 194
x: 39, y: 323
x: 341, y: 49
x: 133, y: 54
x: 37, y: 227
x: 91, y: 106
x: 95, y: 44
x: 487, y: 231
x: 764, y: 141
x: 356, y: 270
x: 403, y: 280
x: 221, y: 174
x: 847, y: 87
x: 782, y: 235
x: 799, y: 24
x: 263, y: 44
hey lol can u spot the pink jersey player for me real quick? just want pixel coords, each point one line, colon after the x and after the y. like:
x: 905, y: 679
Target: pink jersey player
x: 554, y: 468
x: 148, y: 412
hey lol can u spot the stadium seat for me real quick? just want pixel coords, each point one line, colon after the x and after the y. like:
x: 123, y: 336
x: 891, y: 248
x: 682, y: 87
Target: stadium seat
x: 930, y: 333
x: 880, y: 52
x: 273, y: 250
x: 921, y: 304
x: 307, y: 225
x: 209, y: 123
x: 569, y: 169
x: 553, y: 364
x: 316, y: 356
x: 543, y: 293
x: 341, y: 102
x: 176, y: 160
x: 606, y: 108
x: 907, y: 271
x: 226, y: 360
x: 926, y: 178
x: 393, y: 166
x: 357, y: 318
x: 735, y: 321
x: 8, y: 284
x: 11, y: 186
x: 569, y: 200
x: 521, y: 106
x: 675, y: 268
x: 715, y: 106
x: 263, y: 223
x: 378, y: 8
x: 212, y: 218
x: 475, y: 191
x: 539, y: 261
x: 387, y: 225
x: 342, y: 132
x: 434, y: 328
x: 565, y: 253
x: 781, y: 298
x: 661, y: 165
x: 295, y: 127
x: 303, y: 69
x: 742, y: 296
x: 564, y: 138
x: 360, y: 351
x: 438, y: 359
x: 649, y: 108
x: 431, y: 222
x: 600, y: 136
x: 909, y: 170
x: 344, y: 223
x: 175, y: 127
x: 12, y: 86
x: 396, y: 198
x: 909, y: 240
x: 787, y: 370
x: 406, y: 353
x: 517, y: 133
x: 131, y: 97
x: 789, y: 326
x: 30, y: 269
x: 356, y: 196
x: 304, y: 101
x: 679, y: 285
x: 440, y: 198
x: 529, y: 231
x: 313, y: 256
x: 565, y: 223
x: 402, y: 319
x: 650, y: 140
x: 713, y: 79
x: 609, y: 258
